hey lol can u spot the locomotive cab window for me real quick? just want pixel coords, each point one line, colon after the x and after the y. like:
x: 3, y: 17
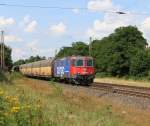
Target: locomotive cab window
x: 90, y: 62
x: 79, y: 62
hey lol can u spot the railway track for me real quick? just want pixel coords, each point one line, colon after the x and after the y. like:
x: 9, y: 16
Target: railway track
x: 123, y: 89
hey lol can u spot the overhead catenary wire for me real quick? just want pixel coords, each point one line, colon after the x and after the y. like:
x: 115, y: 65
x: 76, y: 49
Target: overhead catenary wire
x: 70, y: 8
x: 42, y: 7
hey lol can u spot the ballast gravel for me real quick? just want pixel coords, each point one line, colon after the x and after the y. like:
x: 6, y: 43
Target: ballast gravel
x: 136, y: 102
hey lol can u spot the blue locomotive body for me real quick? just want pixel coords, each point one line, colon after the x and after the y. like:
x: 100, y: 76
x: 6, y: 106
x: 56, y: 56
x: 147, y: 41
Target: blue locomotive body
x: 61, y: 68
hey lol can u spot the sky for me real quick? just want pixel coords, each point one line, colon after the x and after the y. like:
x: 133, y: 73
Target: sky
x: 42, y: 31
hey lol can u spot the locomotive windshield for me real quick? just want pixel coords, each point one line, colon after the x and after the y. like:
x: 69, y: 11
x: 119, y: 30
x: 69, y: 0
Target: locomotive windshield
x: 79, y: 62
x: 90, y: 62
x: 82, y: 62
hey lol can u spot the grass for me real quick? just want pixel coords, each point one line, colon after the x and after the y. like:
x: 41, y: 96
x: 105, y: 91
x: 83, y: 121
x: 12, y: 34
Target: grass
x: 123, y: 81
x: 62, y: 107
x: 113, y: 80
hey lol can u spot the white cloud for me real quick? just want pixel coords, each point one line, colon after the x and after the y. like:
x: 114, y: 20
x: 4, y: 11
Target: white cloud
x: 28, y: 50
x: 31, y: 26
x: 59, y: 28
x: 103, y: 27
x: 47, y: 51
x: 19, y: 53
x: 35, y: 49
x: 145, y: 27
x: 101, y: 5
x: 26, y: 19
x: 33, y: 46
x: 76, y: 11
x: 6, y: 21
x: 12, y: 38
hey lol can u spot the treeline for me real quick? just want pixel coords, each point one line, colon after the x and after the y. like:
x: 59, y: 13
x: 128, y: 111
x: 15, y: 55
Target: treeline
x: 29, y: 60
x: 123, y: 53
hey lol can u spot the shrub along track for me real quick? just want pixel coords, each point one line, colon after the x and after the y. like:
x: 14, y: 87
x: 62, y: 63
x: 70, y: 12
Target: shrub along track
x: 123, y: 89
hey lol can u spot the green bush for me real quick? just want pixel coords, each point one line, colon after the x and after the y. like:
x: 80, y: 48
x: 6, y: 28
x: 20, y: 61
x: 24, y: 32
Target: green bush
x: 3, y: 77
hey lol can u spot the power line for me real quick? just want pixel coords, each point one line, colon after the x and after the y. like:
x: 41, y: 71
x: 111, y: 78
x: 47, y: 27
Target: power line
x: 71, y: 8
x: 43, y: 7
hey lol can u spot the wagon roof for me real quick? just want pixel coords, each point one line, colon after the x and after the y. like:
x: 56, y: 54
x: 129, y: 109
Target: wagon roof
x: 48, y: 61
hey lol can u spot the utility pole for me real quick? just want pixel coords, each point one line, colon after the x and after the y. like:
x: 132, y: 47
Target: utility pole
x: 2, y: 56
x: 90, y: 46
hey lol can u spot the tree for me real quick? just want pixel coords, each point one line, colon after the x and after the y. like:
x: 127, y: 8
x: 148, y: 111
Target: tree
x: 34, y: 58
x: 19, y: 62
x: 114, y: 53
x: 29, y: 60
x: 77, y: 48
x: 80, y: 48
x: 140, y: 64
x: 65, y: 51
x: 8, y: 58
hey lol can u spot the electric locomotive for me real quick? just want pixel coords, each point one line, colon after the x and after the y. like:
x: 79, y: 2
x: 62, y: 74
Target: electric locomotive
x: 74, y: 69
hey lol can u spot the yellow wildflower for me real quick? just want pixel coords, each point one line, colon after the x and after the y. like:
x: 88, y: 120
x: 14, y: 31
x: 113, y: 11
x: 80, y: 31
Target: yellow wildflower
x: 15, y: 109
x: 14, y: 100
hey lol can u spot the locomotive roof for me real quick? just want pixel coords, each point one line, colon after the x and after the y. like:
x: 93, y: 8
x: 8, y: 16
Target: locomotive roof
x: 75, y: 57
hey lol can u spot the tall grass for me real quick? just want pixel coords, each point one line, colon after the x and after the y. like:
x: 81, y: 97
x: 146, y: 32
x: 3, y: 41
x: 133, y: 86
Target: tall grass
x: 20, y: 111
x: 30, y: 103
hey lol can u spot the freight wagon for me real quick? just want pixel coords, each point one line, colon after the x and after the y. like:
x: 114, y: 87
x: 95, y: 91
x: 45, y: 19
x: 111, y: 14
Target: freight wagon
x: 37, y: 69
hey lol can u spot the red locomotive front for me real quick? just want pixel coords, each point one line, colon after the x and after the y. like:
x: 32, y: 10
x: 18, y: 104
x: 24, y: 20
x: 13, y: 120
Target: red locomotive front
x: 82, y: 69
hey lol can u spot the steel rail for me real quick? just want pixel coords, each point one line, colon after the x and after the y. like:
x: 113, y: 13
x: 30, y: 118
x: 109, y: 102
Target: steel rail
x: 123, y: 89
